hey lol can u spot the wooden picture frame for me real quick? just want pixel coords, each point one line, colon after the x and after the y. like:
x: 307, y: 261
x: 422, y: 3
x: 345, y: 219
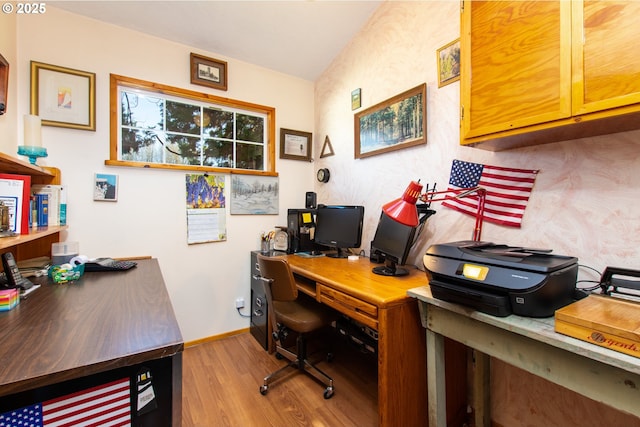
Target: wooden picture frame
x: 295, y: 144
x: 448, y: 57
x: 397, y: 123
x: 208, y: 72
x: 4, y: 84
x: 63, y: 97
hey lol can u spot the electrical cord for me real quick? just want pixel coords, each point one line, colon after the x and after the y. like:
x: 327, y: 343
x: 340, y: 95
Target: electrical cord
x: 242, y: 314
x: 590, y: 288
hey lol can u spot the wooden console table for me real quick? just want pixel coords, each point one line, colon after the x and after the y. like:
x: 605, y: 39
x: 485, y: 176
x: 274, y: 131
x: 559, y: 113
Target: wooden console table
x: 104, y: 327
x: 530, y: 344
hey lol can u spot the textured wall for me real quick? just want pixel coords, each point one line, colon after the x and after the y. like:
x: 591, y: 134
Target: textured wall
x: 585, y: 201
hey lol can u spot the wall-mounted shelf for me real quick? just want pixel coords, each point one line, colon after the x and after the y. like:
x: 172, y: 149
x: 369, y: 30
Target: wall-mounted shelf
x: 38, y: 242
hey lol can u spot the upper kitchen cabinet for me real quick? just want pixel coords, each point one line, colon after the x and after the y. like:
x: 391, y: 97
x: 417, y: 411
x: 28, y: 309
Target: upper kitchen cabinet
x: 606, y: 73
x: 535, y: 72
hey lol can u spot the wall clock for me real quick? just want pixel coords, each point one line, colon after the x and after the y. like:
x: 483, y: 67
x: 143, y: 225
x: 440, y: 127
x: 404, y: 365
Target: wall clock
x: 323, y: 175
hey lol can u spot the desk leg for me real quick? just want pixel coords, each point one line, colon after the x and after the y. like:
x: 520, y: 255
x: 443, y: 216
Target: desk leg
x: 436, y: 380
x: 402, y: 371
x: 481, y: 383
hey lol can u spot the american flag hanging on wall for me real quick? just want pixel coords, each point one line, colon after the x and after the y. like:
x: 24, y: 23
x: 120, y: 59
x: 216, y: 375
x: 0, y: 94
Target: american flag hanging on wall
x: 507, y: 189
x: 105, y: 405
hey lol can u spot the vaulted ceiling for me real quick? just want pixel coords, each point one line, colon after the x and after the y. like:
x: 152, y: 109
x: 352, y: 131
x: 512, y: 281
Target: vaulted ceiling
x: 295, y: 37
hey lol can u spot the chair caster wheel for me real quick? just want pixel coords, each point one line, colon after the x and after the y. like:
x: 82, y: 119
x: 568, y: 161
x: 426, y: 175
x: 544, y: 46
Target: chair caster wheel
x: 264, y: 389
x: 330, y: 357
x: 279, y: 356
x: 328, y: 392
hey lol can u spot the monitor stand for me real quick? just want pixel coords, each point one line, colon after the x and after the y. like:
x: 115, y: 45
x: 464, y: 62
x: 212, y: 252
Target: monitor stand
x: 338, y: 254
x: 390, y: 268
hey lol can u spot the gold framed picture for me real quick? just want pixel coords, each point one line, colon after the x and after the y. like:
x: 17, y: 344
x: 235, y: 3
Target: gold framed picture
x: 449, y: 63
x: 63, y: 97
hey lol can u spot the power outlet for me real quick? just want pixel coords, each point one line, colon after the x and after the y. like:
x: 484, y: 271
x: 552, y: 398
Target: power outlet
x: 240, y: 302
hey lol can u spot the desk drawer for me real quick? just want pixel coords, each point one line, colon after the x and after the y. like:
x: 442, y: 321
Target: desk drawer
x: 354, y: 308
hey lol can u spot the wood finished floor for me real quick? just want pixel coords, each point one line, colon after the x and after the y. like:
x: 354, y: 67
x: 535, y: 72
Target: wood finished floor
x: 221, y: 381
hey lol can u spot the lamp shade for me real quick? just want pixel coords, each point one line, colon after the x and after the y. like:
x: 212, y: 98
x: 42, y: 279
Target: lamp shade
x: 403, y: 210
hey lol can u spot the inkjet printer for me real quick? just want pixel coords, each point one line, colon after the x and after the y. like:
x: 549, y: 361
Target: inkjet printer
x: 501, y: 280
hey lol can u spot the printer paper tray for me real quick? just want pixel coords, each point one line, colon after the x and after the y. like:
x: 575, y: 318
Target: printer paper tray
x: 496, y: 305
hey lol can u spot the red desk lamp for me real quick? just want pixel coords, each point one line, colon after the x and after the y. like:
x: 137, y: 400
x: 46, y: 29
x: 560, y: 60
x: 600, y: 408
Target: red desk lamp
x: 405, y: 212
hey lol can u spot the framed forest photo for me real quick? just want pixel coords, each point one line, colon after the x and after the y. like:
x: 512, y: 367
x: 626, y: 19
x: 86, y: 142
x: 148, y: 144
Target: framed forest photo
x: 397, y: 123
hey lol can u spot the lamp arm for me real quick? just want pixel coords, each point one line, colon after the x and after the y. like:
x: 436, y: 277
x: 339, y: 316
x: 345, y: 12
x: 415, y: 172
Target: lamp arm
x: 460, y: 193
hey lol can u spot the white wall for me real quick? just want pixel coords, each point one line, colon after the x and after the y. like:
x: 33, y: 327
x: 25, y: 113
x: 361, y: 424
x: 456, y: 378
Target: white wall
x: 585, y: 201
x: 149, y: 217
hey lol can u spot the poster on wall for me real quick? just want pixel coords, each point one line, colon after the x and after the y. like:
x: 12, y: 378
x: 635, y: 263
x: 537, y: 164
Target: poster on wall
x: 206, y: 208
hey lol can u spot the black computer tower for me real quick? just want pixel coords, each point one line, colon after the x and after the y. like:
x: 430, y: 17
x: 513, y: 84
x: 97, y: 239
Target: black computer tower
x: 301, y: 225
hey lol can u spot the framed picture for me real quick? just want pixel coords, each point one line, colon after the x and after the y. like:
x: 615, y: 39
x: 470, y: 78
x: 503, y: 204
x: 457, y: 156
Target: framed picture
x: 295, y: 145
x: 4, y: 84
x: 63, y: 97
x: 394, y: 124
x: 356, y: 101
x: 449, y: 63
x: 208, y: 72
x: 105, y: 187
x: 254, y: 195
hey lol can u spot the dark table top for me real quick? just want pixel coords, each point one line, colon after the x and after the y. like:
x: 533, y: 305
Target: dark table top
x: 103, y: 321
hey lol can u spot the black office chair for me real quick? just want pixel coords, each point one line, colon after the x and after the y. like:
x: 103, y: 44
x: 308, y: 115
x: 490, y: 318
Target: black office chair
x: 288, y: 312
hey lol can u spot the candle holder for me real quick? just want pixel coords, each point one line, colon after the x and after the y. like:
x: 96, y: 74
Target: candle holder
x: 32, y: 152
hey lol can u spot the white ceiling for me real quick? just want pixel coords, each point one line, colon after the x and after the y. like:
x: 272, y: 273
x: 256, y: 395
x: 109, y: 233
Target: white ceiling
x: 295, y: 37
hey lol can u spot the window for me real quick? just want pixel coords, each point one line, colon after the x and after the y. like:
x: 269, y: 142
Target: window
x: 153, y: 125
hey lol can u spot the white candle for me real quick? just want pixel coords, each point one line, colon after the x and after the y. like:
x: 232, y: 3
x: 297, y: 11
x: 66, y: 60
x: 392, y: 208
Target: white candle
x: 32, y: 131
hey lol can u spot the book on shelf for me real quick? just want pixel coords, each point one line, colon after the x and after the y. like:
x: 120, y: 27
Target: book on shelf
x: 14, y: 193
x: 57, y: 202
x: 42, y: 209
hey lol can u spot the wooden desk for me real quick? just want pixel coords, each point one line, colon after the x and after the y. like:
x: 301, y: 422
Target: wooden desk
x: 527, y: 343
x: 381, y: 303
x: 65, y: 338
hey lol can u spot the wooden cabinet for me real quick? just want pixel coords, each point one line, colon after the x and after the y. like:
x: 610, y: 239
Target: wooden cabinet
x: 38, y: 241
x: 606, y: 71
x: 536, y: 72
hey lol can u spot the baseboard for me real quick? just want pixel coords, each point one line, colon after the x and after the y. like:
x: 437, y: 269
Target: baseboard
x: 215, y: 337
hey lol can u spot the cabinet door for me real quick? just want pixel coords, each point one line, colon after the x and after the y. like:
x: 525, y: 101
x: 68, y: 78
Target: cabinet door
x: 516, y: 65
x: 606, y: 63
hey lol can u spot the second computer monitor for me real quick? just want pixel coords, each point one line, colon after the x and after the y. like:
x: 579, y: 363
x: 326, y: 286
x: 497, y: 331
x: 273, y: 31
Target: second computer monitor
x: 393, y: 241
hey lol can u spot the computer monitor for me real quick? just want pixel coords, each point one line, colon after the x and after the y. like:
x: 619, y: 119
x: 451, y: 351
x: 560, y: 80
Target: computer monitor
x: 393, y: 241
x: 339, y: 227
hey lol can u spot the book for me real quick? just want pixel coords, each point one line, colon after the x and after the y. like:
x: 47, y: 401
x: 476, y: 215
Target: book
x: 42, y: 208
x: 63, y: 205
x: 14, y: 193
x: 54, y: 193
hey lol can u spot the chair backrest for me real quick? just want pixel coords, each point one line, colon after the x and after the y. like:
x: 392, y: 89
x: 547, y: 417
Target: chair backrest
x: 283, y: 285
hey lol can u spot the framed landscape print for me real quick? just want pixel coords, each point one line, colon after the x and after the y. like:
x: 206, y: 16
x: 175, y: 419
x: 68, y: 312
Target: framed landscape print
x: 394, y: 124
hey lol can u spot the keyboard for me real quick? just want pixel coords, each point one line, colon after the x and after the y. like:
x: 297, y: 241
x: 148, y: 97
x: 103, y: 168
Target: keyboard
x: 108, y: 264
